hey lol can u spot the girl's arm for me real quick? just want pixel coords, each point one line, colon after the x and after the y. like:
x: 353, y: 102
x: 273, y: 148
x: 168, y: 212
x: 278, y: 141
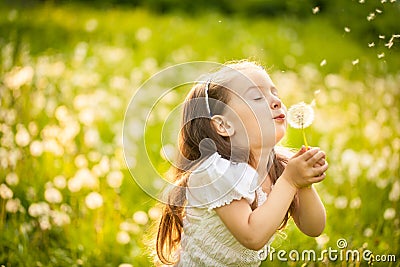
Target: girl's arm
x: 253, y: 228
x: 309, y: 215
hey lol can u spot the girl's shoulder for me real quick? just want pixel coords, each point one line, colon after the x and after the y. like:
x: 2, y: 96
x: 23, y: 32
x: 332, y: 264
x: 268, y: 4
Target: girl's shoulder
x: 218, y: 181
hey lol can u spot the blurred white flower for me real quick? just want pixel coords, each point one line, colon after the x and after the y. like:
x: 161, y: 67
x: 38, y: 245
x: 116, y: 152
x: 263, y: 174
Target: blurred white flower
x: 94, y: 200
x: 91, y: 25
x: 323, y: 62
x: 5, y: 192
x: 83, y: 178
x: 123, y: 237
x: 167, y: 152
x: 22, y: 137
x: 60, y: 218
x: 322, y: 240
x: 81, y: 161
x: 44, y: 223
x: 300, y: 115
x: 355, y: 203
x: 125, y: 265
x: 114, y: 179
x: 368, y: 232
x: 155, y: 213
x: 143, y: 34
x: 60, y: 182
x: 39, y: 209
x: 13, y: 205
x: 129, y: 227
x: 91, y: 137
x: 87, y: 116
x: 389, y: 214
x: 341, y: 202
x: 12, y: 179
x: 140, y: 217
x: 36, y: 148
x: 52, y: 195
x: 18, y: 77
x: 394, y: 194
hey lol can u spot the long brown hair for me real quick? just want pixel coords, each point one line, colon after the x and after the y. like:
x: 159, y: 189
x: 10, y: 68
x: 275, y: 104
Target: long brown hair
x: 197, y: 140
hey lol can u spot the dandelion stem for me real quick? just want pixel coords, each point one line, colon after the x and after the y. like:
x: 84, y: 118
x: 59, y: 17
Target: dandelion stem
x: 304, y: 137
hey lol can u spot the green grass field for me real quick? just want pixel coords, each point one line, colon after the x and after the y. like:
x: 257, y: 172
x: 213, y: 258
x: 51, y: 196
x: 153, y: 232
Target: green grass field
x: 67, y: 74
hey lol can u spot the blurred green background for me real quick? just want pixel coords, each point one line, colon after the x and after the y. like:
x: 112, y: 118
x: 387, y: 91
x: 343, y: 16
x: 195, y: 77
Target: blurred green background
x: 69, y: 68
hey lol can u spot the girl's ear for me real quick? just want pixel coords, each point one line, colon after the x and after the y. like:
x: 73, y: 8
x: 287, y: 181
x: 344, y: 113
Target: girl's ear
x: 222, y: 126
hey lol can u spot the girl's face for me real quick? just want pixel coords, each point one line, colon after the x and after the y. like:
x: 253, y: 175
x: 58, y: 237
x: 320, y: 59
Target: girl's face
x: 255, y: 112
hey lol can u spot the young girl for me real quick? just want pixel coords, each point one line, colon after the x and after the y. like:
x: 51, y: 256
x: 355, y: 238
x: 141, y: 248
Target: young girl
x: 233, y: 189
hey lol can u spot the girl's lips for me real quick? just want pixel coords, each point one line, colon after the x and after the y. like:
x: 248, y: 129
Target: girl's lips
x: 280, y: 117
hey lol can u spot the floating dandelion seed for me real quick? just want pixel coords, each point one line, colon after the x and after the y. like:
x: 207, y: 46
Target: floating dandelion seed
x: 323, y: 63
x: 381, y: 36
x: 378, y: 11
x: 361, y: 1
x: 301, y: 116
x: 355, y: 62
x: 347, y: 29
x: 381, y: 55
x: 371, y: 44
x: 383, y: 1
x: 315, y: 10
x: 392, y: 1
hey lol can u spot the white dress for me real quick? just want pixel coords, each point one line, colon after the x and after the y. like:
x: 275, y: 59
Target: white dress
x: 206, y: 241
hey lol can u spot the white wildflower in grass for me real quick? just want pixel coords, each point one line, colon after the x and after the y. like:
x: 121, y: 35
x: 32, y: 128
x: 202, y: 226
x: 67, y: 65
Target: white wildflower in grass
x: 371, y: 44
x: 322, y: 240
x: 341, y: 202
x: 5, y: 192
x: 39, y: 209
x: 355, y: 203
x: 123, y: 237
x: 129, y: 227
x: 60, y: 218
x: 114, y: 179
x: 81, y: 161
x: 12, y: 179
x: 381, y: 55
x: 36, y: 148
x: 394, y: 194
x: 368, y: 232
x: 13, y: 205
x: 154, y: 213
x: 60, y: 182
x: 140, y: 217
x: 91, y: 25
x: 52, y: 195
x: 125, y: 265
x: 22, y: 138
x: 94, y: 200
x: 355, y: 61
x: 323, y: 63
x: 301, y: 116
x: 347, y: 29
x: 389, y: 214
x: 18, y: 77
x: 44, y: 223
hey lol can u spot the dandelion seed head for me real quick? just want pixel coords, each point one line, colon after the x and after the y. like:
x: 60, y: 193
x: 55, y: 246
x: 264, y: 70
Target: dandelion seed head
x: 140, y: 217
x: 394, y: 194
x: 389, y: 214
x: 123, y: 238
x: 322, y: 240
x: 91, y: 25
x: 368, y: 232
x: 36, y: 148
x: 300, y: 115
x: 355, y: 203
x: 60, y: 218
x: 143, y: 34
x: 5, y: 192
x: 39, y: 209
x: 12, y: 179
x: 341, y: 202
x: 22, y: 138
x: 129, y: 227
x: 94, y: 200
x: 52, y: 195
x: 155, y: 213
x: 114, y: 179
x: 13, y: 205
x: 60, y: 182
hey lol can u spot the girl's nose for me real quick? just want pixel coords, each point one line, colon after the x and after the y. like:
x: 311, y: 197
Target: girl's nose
x: 276, y: 103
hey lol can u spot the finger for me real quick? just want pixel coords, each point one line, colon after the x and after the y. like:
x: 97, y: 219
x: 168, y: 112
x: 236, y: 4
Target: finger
x: 319, y: 170
x: 320, y: 155
x: 310, y: 153
x: 318, y: 179
x: 300, y: 152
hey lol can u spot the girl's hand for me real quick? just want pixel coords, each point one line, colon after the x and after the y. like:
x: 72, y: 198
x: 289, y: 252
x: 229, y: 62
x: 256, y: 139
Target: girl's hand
x: 306, y: 167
